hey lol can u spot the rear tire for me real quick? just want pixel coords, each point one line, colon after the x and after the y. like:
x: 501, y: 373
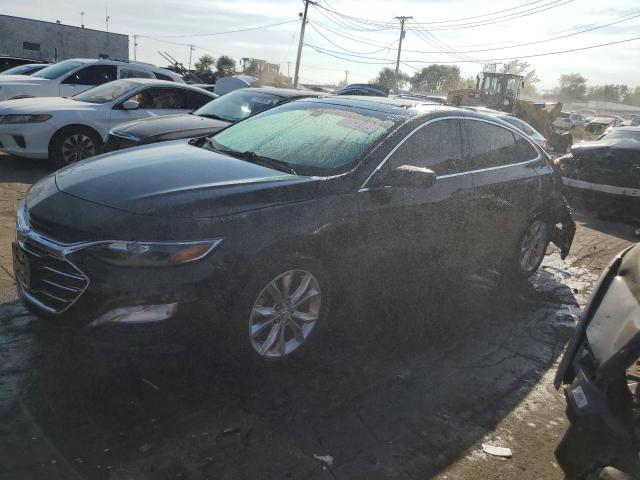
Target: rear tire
x: 73, y: 144
x: 530, y: 249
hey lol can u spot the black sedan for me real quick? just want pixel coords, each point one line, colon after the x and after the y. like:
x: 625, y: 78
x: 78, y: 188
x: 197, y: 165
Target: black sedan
x: 605, y: 174
x: 207, y: 120
x: 256, y: 227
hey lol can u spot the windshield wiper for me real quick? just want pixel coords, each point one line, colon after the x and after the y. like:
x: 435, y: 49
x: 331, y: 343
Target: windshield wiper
x: 212, y: 117
x: 253, y: 157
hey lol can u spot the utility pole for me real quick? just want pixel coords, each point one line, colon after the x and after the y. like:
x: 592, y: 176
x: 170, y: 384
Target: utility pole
x: 304, y: 23
x: 191, y: 49
x: 288, y: 69
x: 346, y: 77
x: 402, y: 20
x: 135, y: 48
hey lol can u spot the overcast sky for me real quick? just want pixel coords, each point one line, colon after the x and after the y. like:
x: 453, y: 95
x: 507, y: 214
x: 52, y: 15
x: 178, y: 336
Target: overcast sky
x: 613, y: 64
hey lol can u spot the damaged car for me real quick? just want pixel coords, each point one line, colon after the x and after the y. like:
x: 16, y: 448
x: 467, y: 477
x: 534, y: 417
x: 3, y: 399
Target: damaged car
x: 259, y: 227
x: 600, y: 372
x: 604, y: 174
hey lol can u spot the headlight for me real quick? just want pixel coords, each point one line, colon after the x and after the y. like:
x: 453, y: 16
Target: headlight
x: 152, y: 254
x: 18, y: 118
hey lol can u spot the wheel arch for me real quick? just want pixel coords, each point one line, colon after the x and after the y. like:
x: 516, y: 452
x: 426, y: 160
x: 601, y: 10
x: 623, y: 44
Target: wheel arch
x: 71, y: 126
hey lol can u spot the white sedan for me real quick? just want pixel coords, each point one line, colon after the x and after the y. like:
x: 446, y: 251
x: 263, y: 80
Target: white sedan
x: 69, y: 129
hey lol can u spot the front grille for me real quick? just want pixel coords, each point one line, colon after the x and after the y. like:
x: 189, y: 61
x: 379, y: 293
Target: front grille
x: 53, y: 282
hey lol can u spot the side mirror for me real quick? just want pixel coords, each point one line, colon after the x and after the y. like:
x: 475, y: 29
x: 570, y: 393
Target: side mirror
x: 407, y: 176
x: 131, y: 105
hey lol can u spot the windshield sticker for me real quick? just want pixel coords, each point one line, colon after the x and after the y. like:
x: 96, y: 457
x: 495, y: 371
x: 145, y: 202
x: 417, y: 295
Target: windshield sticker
x: 354, y: 124
x: 263, y: 101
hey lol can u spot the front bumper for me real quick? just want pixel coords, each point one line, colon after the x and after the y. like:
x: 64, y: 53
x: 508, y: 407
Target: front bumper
x: 62, y: 282
x: 26, y: 140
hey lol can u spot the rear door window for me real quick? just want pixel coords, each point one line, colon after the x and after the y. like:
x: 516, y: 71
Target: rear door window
x: 197, y: 99
x: 437, y: 146
x: 92, y: 75
x: 162, y: 99
x: 488, y: 145
x: 132, y: 73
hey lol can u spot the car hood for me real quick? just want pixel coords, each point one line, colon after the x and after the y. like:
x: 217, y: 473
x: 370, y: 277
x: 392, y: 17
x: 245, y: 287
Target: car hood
x: 179, y: 179
x: 151, y: 127
x: 21, y: 80
x: 606, y: 148
x: 43, y: 105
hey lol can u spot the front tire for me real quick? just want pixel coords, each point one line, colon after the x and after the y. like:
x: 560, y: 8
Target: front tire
x: 73, y: 144
x: 281, y: 310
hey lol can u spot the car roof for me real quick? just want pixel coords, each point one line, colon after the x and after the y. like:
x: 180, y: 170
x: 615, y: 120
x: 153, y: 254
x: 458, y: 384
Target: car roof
x: 109, y: 61
x: 165, y: 83
x: 396, y: 106
x: 285, y: 92
x: 629, y: 129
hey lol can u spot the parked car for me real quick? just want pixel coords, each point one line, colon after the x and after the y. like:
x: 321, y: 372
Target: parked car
x: 225, y: 85
x: 7, y: 61
x: 71, y: 129
x: 255, y: 227
x: 599, y: 372
x: 26, y: 69
x: 207, y: 120
x: 68, y: 78
x: 567, y: 121
x: 605, y: 174
x: 600, y: 124
x: 527, y: 129
x: 364, y: 89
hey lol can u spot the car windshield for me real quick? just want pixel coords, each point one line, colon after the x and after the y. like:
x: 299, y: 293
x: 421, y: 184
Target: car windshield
x: 57, y: 70
x: 614, y: 134
x: 19, y: 70
x: 311, y: 138
x: 107, y: 92
x: 239, y: 104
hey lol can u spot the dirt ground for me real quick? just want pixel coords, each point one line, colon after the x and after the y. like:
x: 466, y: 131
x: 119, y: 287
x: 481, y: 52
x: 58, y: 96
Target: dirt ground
x: 412, y: 393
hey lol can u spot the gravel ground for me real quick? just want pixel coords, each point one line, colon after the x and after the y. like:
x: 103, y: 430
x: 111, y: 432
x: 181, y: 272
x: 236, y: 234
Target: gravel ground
x: 388, y: 401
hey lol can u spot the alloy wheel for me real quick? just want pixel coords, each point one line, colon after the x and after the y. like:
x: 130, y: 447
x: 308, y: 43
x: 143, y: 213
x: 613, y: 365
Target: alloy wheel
x: 77, y: 147
x: 533, y: 246
x: 285, y: 313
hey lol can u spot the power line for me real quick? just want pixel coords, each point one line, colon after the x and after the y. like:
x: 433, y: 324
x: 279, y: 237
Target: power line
x: 493, y: 21
x: 482, y: 61
x: 223, y: 33
x: 462, y: 22
x: 386, y: 47
x: 343, y: 35
x: 536, y: 42
x: 344, y: 21
x: 443, y: 47
x: 478, y: 23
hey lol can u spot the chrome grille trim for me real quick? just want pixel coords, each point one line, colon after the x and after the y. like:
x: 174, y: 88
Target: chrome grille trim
x: 54, y: 283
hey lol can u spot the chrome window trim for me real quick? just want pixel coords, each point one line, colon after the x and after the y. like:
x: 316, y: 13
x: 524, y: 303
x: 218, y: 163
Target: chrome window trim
x: 506, y: 126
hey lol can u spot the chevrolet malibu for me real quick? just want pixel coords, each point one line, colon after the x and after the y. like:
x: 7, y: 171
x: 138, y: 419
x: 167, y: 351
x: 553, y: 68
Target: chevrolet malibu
x: 254, y: 227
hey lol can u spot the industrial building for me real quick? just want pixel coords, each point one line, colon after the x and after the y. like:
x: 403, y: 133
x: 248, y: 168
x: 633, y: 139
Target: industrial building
x: 53, y: 41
